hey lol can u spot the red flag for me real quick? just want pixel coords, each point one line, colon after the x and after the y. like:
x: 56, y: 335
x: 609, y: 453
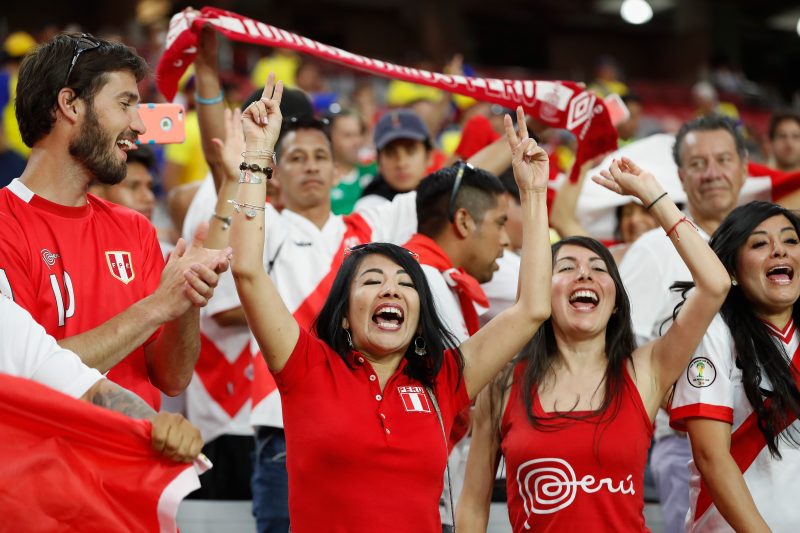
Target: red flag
x: 66, y: 465
x: 560, y: 104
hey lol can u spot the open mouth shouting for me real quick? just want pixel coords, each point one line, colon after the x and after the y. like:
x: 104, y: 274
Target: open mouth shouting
x: 388, y: 317
x: 584, y: 300
x: 780, y: 274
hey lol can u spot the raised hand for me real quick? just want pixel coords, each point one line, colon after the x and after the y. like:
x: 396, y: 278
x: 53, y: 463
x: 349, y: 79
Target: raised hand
x: 230, y: 149
x: 261, y: 121
x: 625, y: 177
x: 529, y: 161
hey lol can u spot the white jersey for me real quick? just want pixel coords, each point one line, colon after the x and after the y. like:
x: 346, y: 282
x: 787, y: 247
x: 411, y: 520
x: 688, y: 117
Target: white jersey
x: 712, y: 388
x: 218, y: 397
x: 302, y: 261
x: 650, y: 266
x: 27, y: 351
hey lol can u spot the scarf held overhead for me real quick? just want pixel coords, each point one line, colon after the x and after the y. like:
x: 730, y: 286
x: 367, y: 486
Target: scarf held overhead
x: 559, y: 104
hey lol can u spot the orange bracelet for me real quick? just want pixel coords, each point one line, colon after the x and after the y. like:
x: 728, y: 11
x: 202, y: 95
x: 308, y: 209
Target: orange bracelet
x: 675, y: 228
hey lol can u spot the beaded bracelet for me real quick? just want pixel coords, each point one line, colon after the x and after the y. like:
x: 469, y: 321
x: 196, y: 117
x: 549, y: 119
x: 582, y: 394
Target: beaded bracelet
x: 249, y: 209
x: 209, y: 101
x: 248, y: 168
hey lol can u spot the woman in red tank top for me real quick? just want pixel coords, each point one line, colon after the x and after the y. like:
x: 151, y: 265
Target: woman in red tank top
x: 573, y: 416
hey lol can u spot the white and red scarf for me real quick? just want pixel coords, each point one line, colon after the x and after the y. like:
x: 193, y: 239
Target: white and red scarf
x: 560, y: 104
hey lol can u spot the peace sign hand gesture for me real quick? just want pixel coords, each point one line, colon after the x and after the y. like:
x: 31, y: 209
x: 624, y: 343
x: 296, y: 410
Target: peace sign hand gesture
x: 529, y: 161
x: 261, y: 121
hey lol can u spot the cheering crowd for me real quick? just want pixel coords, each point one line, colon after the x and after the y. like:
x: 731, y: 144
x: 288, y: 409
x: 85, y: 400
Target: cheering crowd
x: 360, y: 339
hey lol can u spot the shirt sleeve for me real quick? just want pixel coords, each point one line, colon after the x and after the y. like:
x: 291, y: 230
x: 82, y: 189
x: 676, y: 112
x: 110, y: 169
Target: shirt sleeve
x: 643, y: 277
x: 706, y: 390
x: 29, y: 352
x: 308, y: 353
x: 394, y: 221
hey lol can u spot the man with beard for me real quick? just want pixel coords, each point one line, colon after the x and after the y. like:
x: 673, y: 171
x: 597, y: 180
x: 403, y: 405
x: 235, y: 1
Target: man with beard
x: 90, y: 271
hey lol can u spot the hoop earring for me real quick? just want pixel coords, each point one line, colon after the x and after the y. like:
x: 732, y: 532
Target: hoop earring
x: 734, y: 282
x: 349, y: 339
x: 420, y: 348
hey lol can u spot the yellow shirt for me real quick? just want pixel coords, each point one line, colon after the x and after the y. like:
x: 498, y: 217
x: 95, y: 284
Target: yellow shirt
x: 189, y: 154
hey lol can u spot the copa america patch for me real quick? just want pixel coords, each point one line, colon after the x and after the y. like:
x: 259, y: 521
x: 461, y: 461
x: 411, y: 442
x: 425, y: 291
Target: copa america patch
x: 701, y: 372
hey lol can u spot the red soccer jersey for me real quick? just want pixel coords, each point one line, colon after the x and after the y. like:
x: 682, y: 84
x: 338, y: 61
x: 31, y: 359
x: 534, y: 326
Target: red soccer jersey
x: 74, y: 268
x: 361, y: 459
x: 584, y: 475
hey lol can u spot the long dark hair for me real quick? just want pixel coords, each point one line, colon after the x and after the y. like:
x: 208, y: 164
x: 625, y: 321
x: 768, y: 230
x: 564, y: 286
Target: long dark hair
x: 436, y: 335
x: 542, y: 351
x: 757, y: 354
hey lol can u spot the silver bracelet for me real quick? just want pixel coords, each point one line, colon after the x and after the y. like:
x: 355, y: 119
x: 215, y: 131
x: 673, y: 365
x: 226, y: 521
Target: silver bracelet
x: 246, y: 176
x: 226, y: 221
x: 266, y: 154
x: 249, y: 209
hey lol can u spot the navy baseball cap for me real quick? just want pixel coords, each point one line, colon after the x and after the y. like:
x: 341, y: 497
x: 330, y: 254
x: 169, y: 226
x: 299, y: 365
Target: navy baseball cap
x: 400, y: 124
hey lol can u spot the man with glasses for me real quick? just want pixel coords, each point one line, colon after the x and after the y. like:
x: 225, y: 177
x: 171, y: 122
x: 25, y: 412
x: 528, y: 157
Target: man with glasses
x: 89, y: 271
x: 461, y: 218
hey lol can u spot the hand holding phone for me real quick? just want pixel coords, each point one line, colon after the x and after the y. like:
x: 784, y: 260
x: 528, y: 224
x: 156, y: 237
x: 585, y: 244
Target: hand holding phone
x: 164, y: 123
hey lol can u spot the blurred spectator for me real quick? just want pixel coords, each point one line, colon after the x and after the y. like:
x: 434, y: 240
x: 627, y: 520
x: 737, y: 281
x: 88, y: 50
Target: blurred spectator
x: 784, y: 139
x: 136, y: 191
x: 308, y: 77
x: 404, y: 155
x: 11, y: 163
x: 284, y: 63
x: 15, y: 47
x: 347, y: 139
x: 629, y: 129
x: 606, y: 78
x: 706, y: 101
x: 365, y: 102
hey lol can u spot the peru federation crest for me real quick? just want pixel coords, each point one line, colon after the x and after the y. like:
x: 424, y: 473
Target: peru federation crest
x: 121, y: 266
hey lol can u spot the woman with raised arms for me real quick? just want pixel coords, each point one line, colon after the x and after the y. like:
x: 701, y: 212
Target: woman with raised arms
x: 739, y: 398
x: 573, y: 416
x: 367, y: 401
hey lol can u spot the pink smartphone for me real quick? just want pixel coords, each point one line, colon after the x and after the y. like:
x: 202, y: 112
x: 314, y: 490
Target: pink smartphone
x: 164, y: 122
x: 617, y: 109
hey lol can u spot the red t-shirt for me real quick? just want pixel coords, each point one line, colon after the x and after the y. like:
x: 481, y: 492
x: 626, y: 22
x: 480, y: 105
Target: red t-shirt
x: 585, y: 475
x: 361, y: 459
x: 74, y: 268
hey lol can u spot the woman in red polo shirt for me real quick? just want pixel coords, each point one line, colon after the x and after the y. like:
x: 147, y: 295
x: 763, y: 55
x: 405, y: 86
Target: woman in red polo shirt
x: 366, y: 449
x: 573, y: 416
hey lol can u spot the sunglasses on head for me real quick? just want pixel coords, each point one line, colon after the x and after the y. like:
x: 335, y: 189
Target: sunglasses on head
x: 461, y: 167
x: 84, y: 43
x: 359, y: 247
